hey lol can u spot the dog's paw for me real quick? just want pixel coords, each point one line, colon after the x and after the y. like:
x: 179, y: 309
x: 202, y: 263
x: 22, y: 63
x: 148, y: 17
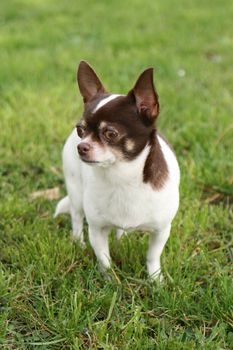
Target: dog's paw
x: 119, y: 233
x: 78, y: 239
x: 157, y: 277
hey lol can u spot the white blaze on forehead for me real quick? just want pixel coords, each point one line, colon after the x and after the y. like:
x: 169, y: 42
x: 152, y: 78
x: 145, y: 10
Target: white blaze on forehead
x: 105, y: 101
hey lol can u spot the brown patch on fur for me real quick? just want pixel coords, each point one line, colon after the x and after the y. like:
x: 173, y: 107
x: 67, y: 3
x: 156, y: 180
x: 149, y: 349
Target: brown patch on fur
x: 122, y: 114
x: 155, y: 170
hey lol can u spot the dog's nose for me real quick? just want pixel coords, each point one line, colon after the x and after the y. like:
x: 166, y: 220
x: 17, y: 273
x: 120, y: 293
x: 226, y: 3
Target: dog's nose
x: 83, y: 148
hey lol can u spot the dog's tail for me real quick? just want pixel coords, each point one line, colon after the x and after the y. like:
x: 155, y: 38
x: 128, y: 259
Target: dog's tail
x: 63, y: 206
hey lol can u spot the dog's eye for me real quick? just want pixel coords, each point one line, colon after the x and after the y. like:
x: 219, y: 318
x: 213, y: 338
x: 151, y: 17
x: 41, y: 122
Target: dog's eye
x: 80, y: 130
x: 110, y: 134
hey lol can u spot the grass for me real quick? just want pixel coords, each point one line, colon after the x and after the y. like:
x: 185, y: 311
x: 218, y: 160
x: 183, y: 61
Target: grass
x: 52, y: 295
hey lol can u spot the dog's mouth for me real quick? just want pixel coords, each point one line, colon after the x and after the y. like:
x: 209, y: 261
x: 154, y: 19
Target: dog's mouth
x: 97, y: 163
x: 90, y: 161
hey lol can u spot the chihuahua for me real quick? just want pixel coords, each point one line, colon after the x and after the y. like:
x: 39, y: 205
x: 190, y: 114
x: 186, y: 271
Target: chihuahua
x: 119, y: 172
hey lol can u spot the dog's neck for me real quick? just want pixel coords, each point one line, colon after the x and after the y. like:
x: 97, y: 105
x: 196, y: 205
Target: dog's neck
x: 125, y: 172
x: 149, y: 167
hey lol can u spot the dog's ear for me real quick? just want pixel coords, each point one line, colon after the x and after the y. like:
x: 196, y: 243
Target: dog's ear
x: 88, y: 82
x: 145, y: 95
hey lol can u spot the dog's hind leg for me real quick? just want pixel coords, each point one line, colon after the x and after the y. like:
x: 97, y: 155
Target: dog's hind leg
x: 73, y: 179
x: 65, y: 205
x: 76, y: 209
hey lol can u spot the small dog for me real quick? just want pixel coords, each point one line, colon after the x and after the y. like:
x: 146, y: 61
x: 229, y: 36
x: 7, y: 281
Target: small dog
x: 119, y: 172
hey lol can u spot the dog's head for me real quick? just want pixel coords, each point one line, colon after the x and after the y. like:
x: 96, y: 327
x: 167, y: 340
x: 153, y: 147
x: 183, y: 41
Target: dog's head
x: 115, y: 127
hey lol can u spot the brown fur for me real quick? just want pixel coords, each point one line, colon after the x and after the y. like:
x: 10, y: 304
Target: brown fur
x: 155, y: 170
x: 123, y: 115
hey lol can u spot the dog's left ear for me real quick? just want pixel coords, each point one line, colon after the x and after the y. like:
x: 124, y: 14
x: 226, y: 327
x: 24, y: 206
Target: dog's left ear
x: 145, y: 95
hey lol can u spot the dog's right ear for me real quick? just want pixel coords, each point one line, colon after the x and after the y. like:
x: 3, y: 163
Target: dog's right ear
x: 88, y: 82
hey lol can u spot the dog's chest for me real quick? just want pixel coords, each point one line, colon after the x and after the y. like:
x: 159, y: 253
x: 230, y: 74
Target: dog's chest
x: 123, y: 206
x: 118, y: 197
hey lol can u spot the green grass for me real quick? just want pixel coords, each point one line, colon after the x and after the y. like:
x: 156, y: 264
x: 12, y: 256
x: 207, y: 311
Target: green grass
x: 52, y: 295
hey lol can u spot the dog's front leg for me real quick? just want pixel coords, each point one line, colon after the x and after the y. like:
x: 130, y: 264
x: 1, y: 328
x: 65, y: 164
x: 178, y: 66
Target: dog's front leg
x: 157, y: 242
x: 99, y: 241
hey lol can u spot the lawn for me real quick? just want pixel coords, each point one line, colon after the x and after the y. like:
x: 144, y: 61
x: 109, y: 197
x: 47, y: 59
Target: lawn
x: 52, y: 295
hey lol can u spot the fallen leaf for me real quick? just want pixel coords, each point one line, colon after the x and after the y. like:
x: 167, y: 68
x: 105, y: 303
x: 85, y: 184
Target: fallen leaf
x: 213, y: 245
x: 51, y: 193
x: 215, y: 196
x: 214, y: 57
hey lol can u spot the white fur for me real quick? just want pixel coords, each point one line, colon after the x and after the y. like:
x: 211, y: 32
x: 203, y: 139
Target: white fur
x: 99, y: 153
x: 116, y: 196
x: 104, y: 101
